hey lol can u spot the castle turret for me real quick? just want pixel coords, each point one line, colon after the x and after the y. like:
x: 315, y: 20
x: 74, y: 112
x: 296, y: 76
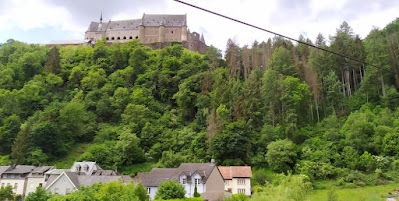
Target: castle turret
x: 184, y: 31
x: 142, y: 32
x: 161, y: 37
x: 202, y: 38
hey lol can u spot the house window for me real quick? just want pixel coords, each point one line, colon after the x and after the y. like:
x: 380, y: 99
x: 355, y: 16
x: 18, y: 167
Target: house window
x: 184, y: 181
x: 56, y: 190
x: 148, y: 191
x: 67, y: 191
x: 241, y: 190
x: 197, y: 181
x: 15, y: 185
x: 41, y: 184
x: 241, y: 181
x: 226, y: 182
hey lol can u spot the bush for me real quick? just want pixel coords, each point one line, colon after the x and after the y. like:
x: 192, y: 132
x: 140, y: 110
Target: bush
x: 281, y: 155
x: 39, y: 195
x: 170, y: 190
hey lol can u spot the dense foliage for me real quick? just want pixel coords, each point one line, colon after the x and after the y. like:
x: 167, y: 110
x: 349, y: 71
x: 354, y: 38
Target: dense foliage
x: 274, y: 105
x: 168, y: 190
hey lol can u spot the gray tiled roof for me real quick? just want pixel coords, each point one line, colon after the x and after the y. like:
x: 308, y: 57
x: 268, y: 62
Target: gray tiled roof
x: 105, y: 173
x: 74, y: 178
x: 51, y: 179
x: 123, y: 25
x: 57, y: 171
x: 3, y: 169
x: 20, y: 169
x: 85, y: 180
x: 42, y: 170
x: 148, y: 20
x: 166, y: 20
x: 157, y: 176
x: 204, y: 169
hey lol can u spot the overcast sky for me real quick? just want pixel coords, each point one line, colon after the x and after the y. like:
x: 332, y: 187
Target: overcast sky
x: 40, y: 21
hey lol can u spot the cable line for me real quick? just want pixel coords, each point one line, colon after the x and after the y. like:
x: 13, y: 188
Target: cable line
x: 282, y: 36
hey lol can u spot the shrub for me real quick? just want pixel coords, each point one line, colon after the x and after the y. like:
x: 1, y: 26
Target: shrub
x: 170, y: 190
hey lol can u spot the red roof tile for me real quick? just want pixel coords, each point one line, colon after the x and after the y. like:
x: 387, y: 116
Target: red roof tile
x: 229, y: 172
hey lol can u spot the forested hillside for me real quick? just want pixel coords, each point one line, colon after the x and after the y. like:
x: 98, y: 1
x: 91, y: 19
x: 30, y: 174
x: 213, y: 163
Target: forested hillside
x: 273, y: 104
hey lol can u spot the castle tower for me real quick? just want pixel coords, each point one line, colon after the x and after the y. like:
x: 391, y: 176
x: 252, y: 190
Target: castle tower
x: 184, y: 31
x: 142, y: 32
x: 161, y: 37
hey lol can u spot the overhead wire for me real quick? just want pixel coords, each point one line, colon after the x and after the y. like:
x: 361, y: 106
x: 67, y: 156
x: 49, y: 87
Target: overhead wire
x: 283, y: 36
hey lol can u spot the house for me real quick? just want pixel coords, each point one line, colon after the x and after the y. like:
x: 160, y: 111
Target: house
x: 237, y: 179
x: 2, y: 170
x: 85, y: 167
x: 16, y: 176
x: 36, y: 178
x: 68, y: 182
x: 205, y: 176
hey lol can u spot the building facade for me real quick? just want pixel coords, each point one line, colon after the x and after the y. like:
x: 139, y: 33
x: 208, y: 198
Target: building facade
x: 205, y: 176
x: 237, y: 179
x: 36, y: 178
x: 150, y: 29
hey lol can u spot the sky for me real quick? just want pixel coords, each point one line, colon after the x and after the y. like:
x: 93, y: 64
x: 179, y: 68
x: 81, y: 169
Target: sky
x: 40, y: 21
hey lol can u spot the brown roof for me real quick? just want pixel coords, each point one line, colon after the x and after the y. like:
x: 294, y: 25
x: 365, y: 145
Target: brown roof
x: 203, y: 169
x: 229, y: 172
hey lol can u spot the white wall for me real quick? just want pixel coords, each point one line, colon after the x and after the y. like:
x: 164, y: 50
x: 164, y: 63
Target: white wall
x: 246, y: 186
x: 20, y: 184
x: 61, y: 185
x: 153, y: 191
x: 33, y: 183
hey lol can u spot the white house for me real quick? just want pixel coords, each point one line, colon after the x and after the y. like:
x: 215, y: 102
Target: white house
x: 68, y: 182
x: 237, y: 179
x: 85, y: 167
x: 16, y: 177
x: 205, y: 176
x: 36, y: 178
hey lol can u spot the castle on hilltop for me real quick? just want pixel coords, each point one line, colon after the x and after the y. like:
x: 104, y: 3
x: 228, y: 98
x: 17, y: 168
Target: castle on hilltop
x: 156, y: 31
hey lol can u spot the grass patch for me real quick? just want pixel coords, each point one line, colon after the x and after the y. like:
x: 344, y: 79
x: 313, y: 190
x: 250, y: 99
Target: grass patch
x: 67, y: 161
x: 132, y: 170
x: 369, y: 193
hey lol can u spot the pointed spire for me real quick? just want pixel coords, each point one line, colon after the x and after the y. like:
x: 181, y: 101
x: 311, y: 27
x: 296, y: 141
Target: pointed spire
x: 101, y: 17
x: 202, y: 38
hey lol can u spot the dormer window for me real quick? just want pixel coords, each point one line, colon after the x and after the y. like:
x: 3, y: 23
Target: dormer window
x: 86, y: 168
x: 184, y: 181
x: 197, y: 181
x: 78, y: 168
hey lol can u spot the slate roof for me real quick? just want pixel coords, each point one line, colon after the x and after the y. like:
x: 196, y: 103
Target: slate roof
x: 41, y: 169
x: 20, y: 169
x: 51, y: 179
x: 140, y: 176
x: 148, y: 20
x: 204, y: 169
x: 158, y: 175
x: 105, y: 173
x: 230, y: 172
x: 57, y: 171
x: 3, y: 169
x: 85, y: 180
x: 74, y: 178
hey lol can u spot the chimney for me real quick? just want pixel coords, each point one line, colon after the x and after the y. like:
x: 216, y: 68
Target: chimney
x: 213, y: 161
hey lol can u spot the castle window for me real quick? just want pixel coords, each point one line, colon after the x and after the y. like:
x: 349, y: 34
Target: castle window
x: 113, y: 38
x: 119, y: 38
x: 172, y: 31
x: 137, y: 37
x: 130, y: 37
x: 124, y: 37
x: 107, y: 38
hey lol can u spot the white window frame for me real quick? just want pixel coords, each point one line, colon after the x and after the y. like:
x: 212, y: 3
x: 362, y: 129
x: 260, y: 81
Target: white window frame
x: 241, y: 190
x: 241, y: 181
x: 148, y: 191
x: 184, y: 181
x: 197, y: 181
